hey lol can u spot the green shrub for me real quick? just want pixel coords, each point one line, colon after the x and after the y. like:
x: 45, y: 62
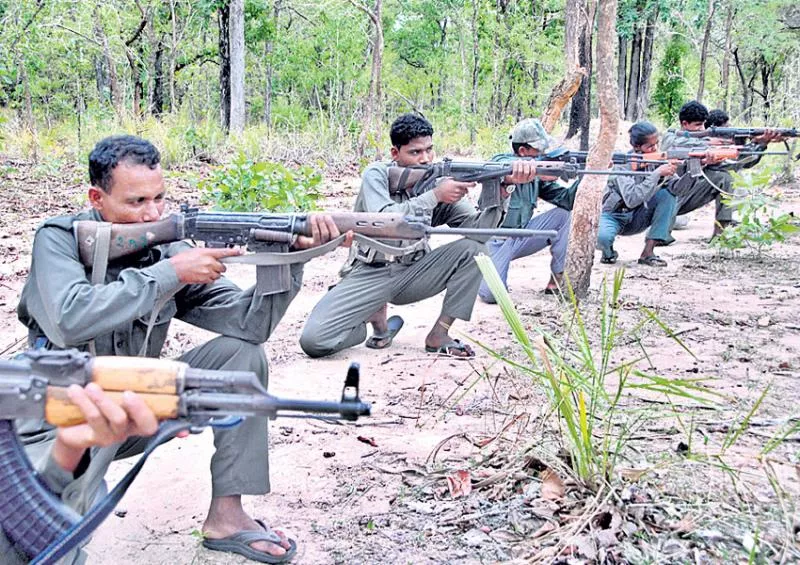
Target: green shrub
x: 761, y: 224
x: 250, y: 186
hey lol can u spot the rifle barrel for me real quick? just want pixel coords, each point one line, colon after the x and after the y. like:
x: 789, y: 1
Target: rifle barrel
x: 499, y: 232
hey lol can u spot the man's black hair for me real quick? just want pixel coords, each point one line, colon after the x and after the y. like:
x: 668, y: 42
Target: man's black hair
x: 407, y: 127
x: 640, y: 131
x: 717, y: 118
x: 111, y: 151
x: 692, y: 112
x: 515, y: 147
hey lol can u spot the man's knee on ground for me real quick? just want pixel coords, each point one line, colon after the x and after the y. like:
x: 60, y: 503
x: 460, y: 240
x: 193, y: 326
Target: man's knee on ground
x: 311, y: 340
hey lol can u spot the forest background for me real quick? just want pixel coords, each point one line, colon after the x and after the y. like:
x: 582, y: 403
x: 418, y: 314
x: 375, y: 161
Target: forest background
x: 320, y: 81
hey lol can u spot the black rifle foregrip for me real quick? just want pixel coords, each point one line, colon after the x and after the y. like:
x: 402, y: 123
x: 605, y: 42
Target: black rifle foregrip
x: 30, y: 515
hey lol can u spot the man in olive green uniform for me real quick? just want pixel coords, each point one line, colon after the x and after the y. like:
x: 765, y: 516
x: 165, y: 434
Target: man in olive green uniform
x: 529, y: 139
x: 716, y: 182
x: 111, y: 316
x: 373, y: 279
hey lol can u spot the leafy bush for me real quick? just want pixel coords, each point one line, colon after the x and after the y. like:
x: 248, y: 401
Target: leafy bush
x: 761, y: 224
x: 249, y: 186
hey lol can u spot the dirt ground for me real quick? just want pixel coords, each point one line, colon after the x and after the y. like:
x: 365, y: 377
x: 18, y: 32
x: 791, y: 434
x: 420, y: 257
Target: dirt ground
x: 377, y: 491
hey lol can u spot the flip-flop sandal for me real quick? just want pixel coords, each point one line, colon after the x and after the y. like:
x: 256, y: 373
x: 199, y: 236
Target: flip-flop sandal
x: 448, y: 348
x: 611, y: 259
x: 652, y: 261
x: 240, y: 543
x: 394, y: 324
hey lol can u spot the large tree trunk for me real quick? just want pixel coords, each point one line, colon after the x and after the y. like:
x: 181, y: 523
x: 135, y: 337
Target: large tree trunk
x: 580, y: 115
x: 643, y: 97
x: 633, y: 78
x: 223, y: 16
x: 586, y: 212
x: 236, y: 26
x: 566, y: 88
x: 701, y: 81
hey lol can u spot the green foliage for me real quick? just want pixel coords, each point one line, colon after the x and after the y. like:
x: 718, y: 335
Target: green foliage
x: 761, y: 224
x: 253, y: 186
x: 670, y: 91
x: 585, y: 381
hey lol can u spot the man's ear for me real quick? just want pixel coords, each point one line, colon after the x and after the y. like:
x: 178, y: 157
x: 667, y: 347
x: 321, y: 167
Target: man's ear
x: 95, y: 196
x: 394, y: 152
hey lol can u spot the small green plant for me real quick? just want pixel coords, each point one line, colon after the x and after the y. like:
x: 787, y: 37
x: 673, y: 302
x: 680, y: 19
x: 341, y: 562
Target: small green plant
x: 761, y: 224
x: 249, y: 186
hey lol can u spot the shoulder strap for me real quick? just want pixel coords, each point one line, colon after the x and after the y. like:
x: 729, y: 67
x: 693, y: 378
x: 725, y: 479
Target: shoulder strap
x: 100, y: 261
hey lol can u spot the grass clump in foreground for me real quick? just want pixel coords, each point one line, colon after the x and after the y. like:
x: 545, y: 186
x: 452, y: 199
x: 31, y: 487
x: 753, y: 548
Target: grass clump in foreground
x: 587, y: 387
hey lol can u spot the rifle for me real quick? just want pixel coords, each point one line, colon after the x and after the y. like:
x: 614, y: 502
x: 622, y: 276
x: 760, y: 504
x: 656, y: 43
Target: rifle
x: 418, y: 179
x: 695, y: 155
x: 739, y: 135
x: 35, y: 385
x: 268, y: 235
x: 569, y: 156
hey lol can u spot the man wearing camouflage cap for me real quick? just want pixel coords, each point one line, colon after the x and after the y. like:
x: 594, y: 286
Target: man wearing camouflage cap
x: 529, y: 139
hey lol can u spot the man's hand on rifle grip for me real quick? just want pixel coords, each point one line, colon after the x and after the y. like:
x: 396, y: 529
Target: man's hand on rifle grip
x: 450, y: 191
x: 107, y: 423
x: 201, y: 265
x: 323, y: 230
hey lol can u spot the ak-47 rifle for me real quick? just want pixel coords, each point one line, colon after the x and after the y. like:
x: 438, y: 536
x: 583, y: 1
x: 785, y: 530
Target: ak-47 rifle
x: 35, y: 386
x: 418, y: 179
x: 268, y: 235
x: 617, y: 158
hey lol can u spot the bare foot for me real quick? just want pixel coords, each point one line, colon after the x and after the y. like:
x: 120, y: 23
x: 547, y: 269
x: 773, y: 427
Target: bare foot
x: 378, y: 320
x: 220, y: 531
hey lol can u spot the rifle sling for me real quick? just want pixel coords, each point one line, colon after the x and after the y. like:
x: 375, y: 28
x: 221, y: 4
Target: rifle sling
x: 102, y: 249
x: 95, y: 516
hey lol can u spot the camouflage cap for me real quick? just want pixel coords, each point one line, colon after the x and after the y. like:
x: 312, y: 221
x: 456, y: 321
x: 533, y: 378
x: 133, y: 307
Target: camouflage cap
x: 531, y: 132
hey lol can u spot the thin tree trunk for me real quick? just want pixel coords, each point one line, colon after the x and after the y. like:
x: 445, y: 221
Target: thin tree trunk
x: 113, y: 83
x: 643, y: 97
x: 633, y: 77
x: 223, y: 16
x: 726, y: 59
x: 622, y: 71
x: 172, y: 55
x: 701, y: 81
x: 236, y: 28
x: 473, y: 103
x: 586, y: 212
x: 373, y: 106
x: 268, y: 48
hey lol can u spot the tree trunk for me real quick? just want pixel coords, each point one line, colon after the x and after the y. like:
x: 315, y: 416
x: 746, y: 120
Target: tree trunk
x: 223, y: 16
x: 157, y: 106
x: 701, y: 81
x: 726, y: 59
x: 268, y: 48
x: 622, y: 71
x: 236, y: 28
x: 566, y: 88
x: 372, y: 107
x: 580, y: 112
x: 633, y: 77
x: 643, y: 98
x: 473, y: 101
x: 172, y: 55
x: 586, y: 212
x: 113, y: 83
